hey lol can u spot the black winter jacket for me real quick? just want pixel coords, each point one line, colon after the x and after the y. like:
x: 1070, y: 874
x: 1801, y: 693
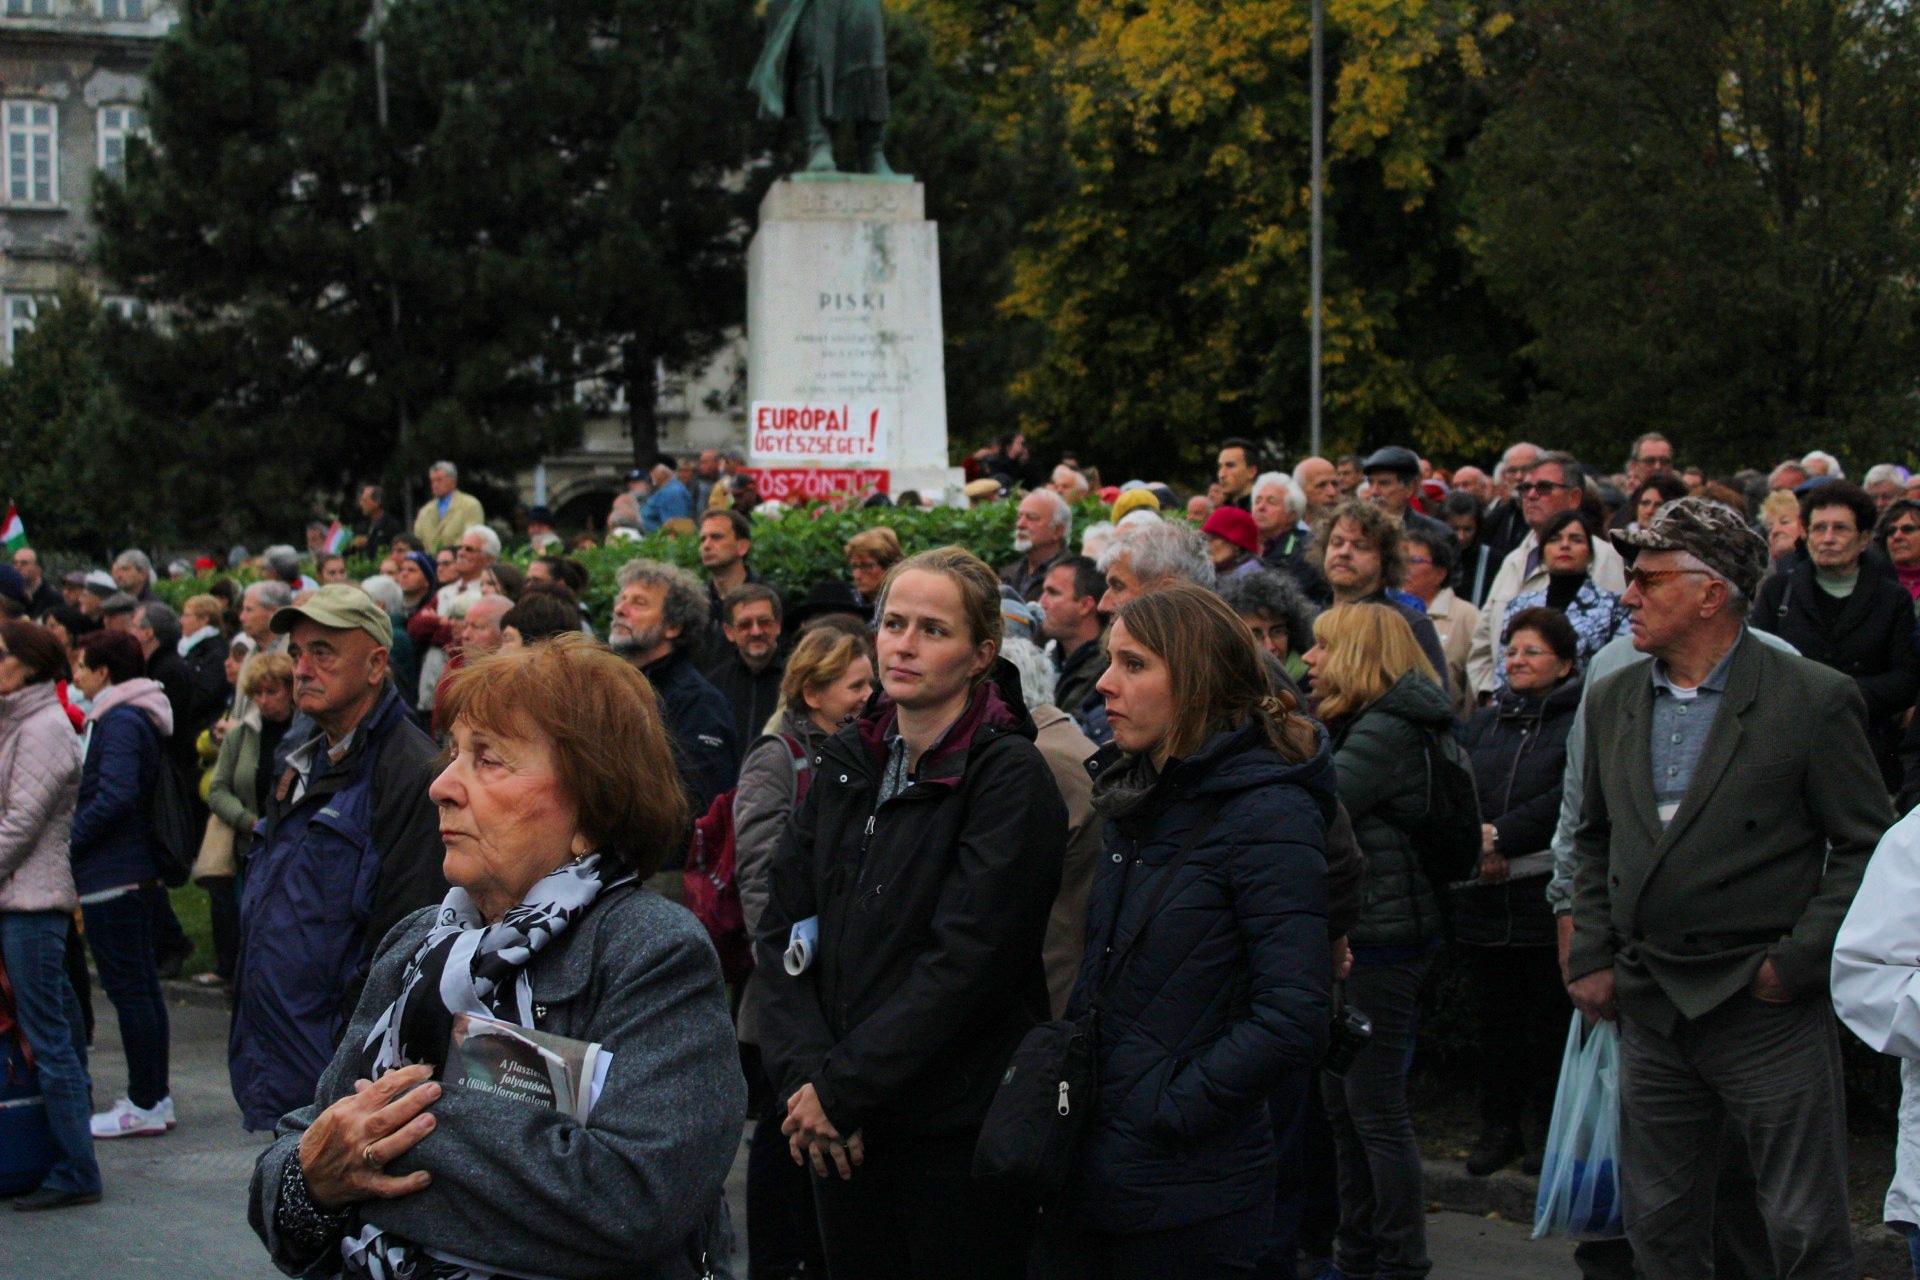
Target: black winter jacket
x: 1519, y: 751
x: 1224, y: 994
x: 1868, y: 636
x: 932, y: 910
x: 1380, y: 757
x: 753, y: 695
x: 700, y: 722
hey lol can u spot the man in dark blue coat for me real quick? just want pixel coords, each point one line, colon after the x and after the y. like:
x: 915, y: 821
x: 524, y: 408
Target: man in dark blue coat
x: 349, y: 844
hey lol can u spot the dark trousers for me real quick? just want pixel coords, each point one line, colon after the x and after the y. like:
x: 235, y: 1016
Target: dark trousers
x: 914, y: 1212
x: 1522, y: 1010
x: 1306, y: 1208
x: 1383, y: 1220
x: 120, y: 931
x: 223, y: 909
x: 169, y: 939
x: 77, y: 975
x: 1768, y: 1075
x: 1740, y: 1250
x: 1223, y: 1248
x: 783, y: 1234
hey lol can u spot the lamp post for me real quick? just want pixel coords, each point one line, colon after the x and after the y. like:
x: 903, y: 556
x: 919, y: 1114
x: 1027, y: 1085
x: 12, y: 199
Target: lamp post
x: 1315, y: 236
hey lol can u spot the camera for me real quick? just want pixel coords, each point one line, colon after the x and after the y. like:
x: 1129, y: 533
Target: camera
x: 1352, y: 1028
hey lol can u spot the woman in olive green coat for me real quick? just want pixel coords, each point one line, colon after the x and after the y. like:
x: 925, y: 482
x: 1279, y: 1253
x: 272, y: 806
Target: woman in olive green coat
x: 245, y: 766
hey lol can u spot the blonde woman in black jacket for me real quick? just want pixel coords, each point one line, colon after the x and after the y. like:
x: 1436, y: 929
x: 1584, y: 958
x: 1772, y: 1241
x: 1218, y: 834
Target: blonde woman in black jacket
x: 928, y: 855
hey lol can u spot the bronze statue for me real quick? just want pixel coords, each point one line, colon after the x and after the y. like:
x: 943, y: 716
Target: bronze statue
x: 828, y: 59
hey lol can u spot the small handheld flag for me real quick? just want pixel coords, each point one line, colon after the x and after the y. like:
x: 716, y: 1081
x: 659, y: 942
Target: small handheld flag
x: 13, y: 533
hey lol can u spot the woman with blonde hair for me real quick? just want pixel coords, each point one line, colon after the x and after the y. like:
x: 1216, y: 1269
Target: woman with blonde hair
x: 871, y: 555
x: 236, y: 793
x: 1207, y: 946
x: 1780, y: 519
x: 828, y: 679
x: 1382, y: 702
x: 926, y: 859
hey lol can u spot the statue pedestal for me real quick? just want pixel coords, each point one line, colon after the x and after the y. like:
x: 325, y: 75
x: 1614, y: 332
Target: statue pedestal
x: 845, y: 365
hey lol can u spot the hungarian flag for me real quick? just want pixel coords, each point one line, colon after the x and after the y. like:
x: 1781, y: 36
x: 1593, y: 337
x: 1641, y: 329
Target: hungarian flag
x: 337, y: 535
x: 13, y: 533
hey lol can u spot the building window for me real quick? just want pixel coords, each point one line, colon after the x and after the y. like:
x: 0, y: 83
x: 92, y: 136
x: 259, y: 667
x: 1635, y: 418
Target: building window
x: 22, y: 310
x: 117, y: 124
x: 120, y: 10
x: 32, y: 168
x: 29, y: 8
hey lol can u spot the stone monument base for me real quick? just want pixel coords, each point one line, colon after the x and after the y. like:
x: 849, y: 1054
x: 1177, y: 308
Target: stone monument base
x: 843, y: 315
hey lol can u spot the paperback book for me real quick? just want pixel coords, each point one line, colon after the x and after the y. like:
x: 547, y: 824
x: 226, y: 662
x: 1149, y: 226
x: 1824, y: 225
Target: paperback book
x: 529, y: 1066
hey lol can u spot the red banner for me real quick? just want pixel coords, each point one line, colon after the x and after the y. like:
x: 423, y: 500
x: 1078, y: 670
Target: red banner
x: 807, y: 484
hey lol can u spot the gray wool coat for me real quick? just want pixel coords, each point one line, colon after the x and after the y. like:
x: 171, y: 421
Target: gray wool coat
x: 527, y: 1190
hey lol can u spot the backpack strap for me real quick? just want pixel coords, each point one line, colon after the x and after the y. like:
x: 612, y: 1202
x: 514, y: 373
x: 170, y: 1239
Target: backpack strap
x: 802, y: 767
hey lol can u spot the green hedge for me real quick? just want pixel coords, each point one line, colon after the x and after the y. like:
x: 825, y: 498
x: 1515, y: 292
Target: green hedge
x: 800, y: 548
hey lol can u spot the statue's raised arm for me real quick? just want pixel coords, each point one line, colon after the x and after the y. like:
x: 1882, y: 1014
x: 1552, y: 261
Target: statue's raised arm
x: 825, y: 62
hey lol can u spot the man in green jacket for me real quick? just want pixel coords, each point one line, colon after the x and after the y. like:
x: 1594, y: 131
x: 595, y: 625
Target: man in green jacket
x: 1732, y: 802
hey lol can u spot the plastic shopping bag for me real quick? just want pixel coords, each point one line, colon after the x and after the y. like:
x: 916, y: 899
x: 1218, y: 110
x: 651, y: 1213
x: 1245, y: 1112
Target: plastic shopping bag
x: 1580, y: 1176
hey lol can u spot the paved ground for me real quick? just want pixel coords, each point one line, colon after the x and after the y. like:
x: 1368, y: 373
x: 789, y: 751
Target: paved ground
x: 175, y: 1207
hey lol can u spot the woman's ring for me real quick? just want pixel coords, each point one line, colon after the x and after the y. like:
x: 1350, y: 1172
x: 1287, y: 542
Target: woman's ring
x: 366, y: 1157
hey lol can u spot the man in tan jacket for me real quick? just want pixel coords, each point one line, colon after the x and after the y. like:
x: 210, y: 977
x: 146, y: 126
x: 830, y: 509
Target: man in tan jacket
x: 449, y: 512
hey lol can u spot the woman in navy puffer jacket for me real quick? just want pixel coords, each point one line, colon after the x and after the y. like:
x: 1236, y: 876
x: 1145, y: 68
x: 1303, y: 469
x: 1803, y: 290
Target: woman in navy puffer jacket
x: 113, y: 858
x: 1225, y: 991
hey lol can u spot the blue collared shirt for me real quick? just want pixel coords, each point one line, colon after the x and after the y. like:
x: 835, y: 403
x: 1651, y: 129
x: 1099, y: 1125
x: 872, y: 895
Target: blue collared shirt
x: 1682, y: 722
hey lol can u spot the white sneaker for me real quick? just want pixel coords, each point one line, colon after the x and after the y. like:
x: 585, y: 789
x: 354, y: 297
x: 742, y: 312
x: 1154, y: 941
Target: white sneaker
x: 164, y: 1109
x: 129, y: 1121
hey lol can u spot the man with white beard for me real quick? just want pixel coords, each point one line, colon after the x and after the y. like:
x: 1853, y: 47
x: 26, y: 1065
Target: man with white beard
x: 1040, y: 536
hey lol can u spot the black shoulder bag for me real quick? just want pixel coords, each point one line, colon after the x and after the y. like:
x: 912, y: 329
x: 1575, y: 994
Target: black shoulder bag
x: 1046, y: 1097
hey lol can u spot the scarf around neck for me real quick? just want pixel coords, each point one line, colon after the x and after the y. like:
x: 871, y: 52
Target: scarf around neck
x: 464, y: 966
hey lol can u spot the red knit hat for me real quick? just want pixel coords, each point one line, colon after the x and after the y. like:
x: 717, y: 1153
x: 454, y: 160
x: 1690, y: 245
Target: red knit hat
x: 1236, y: 526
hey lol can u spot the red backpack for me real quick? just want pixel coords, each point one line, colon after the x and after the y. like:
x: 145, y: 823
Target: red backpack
x: 708, y: 886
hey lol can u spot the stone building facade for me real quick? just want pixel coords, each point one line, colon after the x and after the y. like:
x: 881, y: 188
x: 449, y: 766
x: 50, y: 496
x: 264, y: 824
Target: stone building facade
x: 72, y: 76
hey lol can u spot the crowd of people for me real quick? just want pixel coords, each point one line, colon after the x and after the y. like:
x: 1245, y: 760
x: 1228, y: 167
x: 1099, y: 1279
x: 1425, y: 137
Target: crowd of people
x: 1173, y: 777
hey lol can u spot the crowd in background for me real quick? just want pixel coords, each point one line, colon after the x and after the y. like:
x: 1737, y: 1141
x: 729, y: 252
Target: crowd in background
x: 1200, y: 733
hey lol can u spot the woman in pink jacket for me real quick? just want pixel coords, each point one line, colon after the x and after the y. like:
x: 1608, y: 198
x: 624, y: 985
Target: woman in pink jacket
x: 39, y: 783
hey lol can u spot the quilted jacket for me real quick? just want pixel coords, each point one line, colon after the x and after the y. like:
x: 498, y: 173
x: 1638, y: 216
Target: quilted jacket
x: 39, y: 783
x: 112, y: 831
x: 1380, y: 757
x: 1223, y: 995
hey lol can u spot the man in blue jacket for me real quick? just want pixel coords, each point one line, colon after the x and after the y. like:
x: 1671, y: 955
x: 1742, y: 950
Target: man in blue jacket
x: 349, y: 844
x: 670, y: 500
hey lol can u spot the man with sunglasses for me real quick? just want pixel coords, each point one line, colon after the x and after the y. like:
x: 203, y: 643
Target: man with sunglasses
x: 1731, y: 803
x: 1553, y: 484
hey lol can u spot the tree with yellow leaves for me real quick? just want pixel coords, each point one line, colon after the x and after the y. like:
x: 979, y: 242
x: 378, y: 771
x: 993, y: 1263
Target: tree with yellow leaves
x: 1170, y: 280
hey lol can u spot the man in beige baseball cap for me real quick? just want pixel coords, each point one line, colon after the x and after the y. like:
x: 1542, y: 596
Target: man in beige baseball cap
x: 350, y: 843
x: 338, y: 640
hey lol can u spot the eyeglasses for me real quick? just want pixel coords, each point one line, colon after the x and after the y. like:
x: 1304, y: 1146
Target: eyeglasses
x: 1656, y: 461
x: 1540, y: 487
x: 1907, y: 530
x: 1646, y: 578
x: 467, y: 551
x: 1530, y: 651
x: 862, y: 566
x: 1418, y: 560
x: 5, y: 653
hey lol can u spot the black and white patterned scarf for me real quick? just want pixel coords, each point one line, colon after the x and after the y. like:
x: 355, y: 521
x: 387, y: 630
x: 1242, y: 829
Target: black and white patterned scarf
x: 465, y: 966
